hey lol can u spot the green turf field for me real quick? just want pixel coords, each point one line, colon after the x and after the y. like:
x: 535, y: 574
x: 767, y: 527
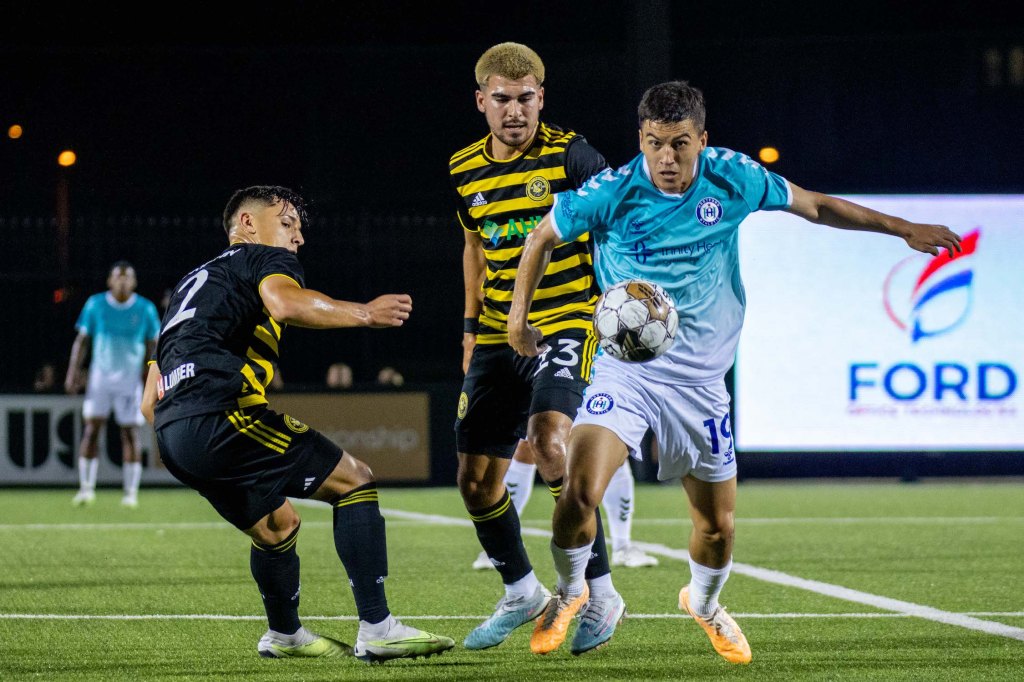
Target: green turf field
x: 164, y: 591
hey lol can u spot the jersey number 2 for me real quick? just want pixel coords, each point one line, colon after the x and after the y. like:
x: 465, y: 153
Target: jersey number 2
x: 185, y: 313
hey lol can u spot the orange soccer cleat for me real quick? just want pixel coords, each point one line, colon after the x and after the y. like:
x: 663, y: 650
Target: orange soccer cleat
x: 553, y: 624
x: 722, y: 630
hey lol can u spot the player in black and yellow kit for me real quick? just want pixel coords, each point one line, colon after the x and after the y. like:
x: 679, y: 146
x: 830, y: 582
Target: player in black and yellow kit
x: 206, y: 396
x: 505, y: 183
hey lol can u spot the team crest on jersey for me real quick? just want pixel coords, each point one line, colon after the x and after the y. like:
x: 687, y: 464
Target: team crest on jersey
x: 463, y: 404
x: 709, y: 211
x: 600, y: 403
x: 538, y: 188
x: 295, y: 425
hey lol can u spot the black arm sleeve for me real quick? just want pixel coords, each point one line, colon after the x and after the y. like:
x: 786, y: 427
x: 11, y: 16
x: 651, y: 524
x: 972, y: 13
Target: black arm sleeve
x: 582, y: 161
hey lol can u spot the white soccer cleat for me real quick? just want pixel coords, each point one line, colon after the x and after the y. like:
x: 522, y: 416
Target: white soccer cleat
x: 84, y: 498
x: 130, y: 501
x: 633, y: 557
x: 303, y: 644
x: 401, y: 641
x: 482, y: 562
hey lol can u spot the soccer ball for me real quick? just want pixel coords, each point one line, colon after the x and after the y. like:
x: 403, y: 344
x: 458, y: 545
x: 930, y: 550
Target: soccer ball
x: 635, y: 321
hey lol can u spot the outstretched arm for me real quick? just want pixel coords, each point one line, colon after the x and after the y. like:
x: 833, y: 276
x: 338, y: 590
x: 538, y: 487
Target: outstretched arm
x: 523, y: 337
x: 824, y: 209
x: 289, y: 303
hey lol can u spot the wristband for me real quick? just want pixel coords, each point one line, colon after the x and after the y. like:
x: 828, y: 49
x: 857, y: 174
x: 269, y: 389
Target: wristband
x: 470, y: 325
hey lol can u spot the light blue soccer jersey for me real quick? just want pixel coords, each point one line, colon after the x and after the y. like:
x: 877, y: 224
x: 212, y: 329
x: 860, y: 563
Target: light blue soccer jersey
x: 687, y: 243
x: 119, y: 332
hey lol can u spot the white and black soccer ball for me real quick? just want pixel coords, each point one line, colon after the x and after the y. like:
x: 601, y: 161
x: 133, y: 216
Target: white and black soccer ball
x: 635, y: 320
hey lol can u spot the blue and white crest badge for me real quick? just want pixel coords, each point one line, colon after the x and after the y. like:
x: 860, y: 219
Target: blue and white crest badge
x: 599, y: 403
x: 709, y: 211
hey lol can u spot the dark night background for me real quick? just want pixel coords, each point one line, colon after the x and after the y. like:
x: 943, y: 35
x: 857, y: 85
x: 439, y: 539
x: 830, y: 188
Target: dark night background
x: 170, y: 108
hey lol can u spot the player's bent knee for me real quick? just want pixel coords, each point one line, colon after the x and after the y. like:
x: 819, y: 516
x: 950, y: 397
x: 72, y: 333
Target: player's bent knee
x: 348, y: 474
x: 583, y: 496
x: 548, y: 447
x: 477, y: 492
x: 358, y: 471
x: 275, y: 526
x: 717, y: 535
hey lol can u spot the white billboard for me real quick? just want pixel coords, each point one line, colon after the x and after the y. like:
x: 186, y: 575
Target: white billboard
x: 39, y: 437
x: 853, y: 341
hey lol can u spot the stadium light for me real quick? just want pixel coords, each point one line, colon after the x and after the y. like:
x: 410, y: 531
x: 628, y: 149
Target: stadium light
x: 67, y: 158
x: 14, y: 132
x: 768, y: 154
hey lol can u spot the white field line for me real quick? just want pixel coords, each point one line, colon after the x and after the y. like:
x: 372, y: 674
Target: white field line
x: 780, y: 578
x: 899, y: 607
x: 645, y: 616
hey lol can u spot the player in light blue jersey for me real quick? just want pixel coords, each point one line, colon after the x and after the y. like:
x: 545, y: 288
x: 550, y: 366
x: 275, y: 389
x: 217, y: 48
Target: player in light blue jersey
x: 671, y: 216
x: 118, y: 329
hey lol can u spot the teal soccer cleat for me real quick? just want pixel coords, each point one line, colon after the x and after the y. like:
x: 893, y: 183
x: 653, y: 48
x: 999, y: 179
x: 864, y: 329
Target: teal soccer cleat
x: 598, y: 620
x: 508, y: 615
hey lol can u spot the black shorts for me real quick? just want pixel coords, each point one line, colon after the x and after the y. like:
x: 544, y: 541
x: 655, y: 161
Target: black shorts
x: 247, y: 462
x: 502, y: 390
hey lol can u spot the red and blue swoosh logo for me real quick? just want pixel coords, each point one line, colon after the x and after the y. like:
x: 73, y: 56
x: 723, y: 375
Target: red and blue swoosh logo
x: 931, y: 296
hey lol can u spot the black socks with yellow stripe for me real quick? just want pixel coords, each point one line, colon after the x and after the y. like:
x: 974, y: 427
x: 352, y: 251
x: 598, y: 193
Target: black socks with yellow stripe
x: 359, y: 538
x: 598, y: 564
x: 497, y: 527
x: 276, y: 570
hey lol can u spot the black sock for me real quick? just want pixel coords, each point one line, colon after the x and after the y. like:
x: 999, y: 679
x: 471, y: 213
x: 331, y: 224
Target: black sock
x: 555, y: 488
x: 598, y: 564
x: 276, y: 571
x: 360, y: 539
x: 498, y: 529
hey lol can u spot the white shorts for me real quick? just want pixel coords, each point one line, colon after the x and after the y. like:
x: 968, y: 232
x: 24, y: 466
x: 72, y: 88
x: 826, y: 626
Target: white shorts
x: 691, y: 423
x: 125, y: 401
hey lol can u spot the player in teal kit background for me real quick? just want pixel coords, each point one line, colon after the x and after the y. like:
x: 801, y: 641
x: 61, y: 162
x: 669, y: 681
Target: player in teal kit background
x: 671, y: 216
x: 118, y: 329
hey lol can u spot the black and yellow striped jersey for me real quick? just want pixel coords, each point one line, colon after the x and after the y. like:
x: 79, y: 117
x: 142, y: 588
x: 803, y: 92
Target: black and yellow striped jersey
x: 218, y: 343
x: 504, y: 201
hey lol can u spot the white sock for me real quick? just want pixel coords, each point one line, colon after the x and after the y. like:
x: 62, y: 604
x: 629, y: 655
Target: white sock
x: 87, y: 469
x: 571, y: 565
x: 376, y: 630
x: 705, y: 586
x: 132, y: 476
x: 618, y: 507
x: 601, y: 586
x: 519, y: 481
x: 298, y: 638
x: 524, y: 587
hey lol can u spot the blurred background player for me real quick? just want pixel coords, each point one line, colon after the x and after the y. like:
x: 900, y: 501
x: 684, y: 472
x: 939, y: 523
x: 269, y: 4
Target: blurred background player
x: 617, y: 502
x: 676, y: 193
x: 504, y: 184
x: 339, y: 376
x: 206, y: 396
x: 390, y: 377
x: 117, y: 332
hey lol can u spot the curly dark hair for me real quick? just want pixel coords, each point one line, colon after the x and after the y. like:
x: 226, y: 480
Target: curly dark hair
x: 672, y: 102
x: 268, y: 195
